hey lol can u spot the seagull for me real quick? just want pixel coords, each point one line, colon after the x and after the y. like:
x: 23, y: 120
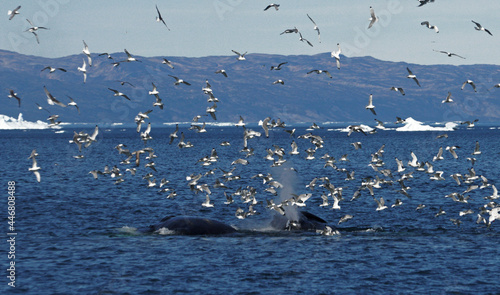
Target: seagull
x: 73, y: 103
x: 450, y: 54
x: 129, y: 57
x: 265, y: 125
x: 52, y: 120
x: 370, y: 105
x: 412, y: 76
x: 302, y: 39
x: 373, y: 18
x: 13, y: 13
x: 448, y: 98
x: 315, y: 28
x: 154, y: 91
x: 207, y: 202
x: 118, y: 93
x: 173, y: 135
x: 160, y: 19
x: 221, y: 71
x: 107, y: 55
x: 277, y: 68
x: 240, y: 123
x: 345, y: 218
x: 476, y: 149
x: 34, y: 168
x: 167, y: 62
x: 179, y: 81
x: 414, y: 160
x: 240, y: 56
x: 399, y: 121
x: 471, y: 84
x: 439, y: 155
x: 279, y: 81
x: 51, y: 69
x: 12, y: 94
x: 51, y: 99
x: 83, y: 69
x: 289, y: 31
x: 86, y: 51
x: 336, y: 55
x: 41, y: 108
x: 426, y: 23
x: 158, y: 102
x: 398, y: 89
x: 478, y: 27
x: 452, y: 149
x: 125, y: 82
x: 320, y: 72
x: 276, y: 6
x: 380, y: 204
x: 441, y: 212
x: 423, y: 2
x: 33, y: 29
x: 469, y: 123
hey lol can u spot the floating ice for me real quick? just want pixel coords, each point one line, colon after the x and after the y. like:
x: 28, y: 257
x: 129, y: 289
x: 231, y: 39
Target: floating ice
x: 9, y: 123
x: 411, y: 124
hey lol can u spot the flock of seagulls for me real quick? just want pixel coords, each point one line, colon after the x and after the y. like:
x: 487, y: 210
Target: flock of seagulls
x: 218, y: 180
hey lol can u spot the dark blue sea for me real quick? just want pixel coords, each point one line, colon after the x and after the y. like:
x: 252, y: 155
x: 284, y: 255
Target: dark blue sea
x: 76, y: 234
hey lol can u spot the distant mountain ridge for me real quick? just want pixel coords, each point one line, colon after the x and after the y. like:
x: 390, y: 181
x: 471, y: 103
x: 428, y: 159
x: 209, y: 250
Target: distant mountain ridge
x: 249, y: 90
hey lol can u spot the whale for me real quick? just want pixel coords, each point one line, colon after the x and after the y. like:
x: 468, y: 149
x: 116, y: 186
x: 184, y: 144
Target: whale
x: 306, y: 222
x: 192, y: 226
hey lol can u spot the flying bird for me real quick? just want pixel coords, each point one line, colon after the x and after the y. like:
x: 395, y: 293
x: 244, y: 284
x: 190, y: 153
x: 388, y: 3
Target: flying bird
x: 221, y: 71
x: 12, y: 94
x: 240, y: 56
x: 277, y: 68
x: 426, y: 23
x: 289, y: 31
x: 412, y: 76
x: 160, y: 19
x: 336, y: 55
x: 302, y: 39
x: 315, y: 28
x: 398, y: 89
x: 179, y: 81
x: 51, y: 99
x: 471, y: 84
x: 73, y: 103
x: 33, y: 30
x: 448, y: 98
x: 35, y: 168
x: 478, y: 27
x: 83, y: 69
x: 373, y: 17
x: 276, y: 6
x: 86, y: 51
x: 51, y: 69
x: 130, y: 58
x: 450, y: 54
x: 118, y: 93
x: 167, y: 62
x: 320, y: 72
x: 370, y: 105
x: 13, y: 13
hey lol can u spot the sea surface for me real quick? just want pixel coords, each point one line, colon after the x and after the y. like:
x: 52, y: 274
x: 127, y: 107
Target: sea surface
x: 77, y: 234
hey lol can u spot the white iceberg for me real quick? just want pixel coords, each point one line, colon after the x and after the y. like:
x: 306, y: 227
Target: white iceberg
x: 411, y: 124
x: 9, y: 123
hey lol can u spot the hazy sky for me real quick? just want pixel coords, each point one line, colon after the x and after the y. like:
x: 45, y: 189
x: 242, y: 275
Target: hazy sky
x: 215, y: 27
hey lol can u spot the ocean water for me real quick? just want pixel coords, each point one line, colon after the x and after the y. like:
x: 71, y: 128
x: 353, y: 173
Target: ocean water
x: 76, y: 234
